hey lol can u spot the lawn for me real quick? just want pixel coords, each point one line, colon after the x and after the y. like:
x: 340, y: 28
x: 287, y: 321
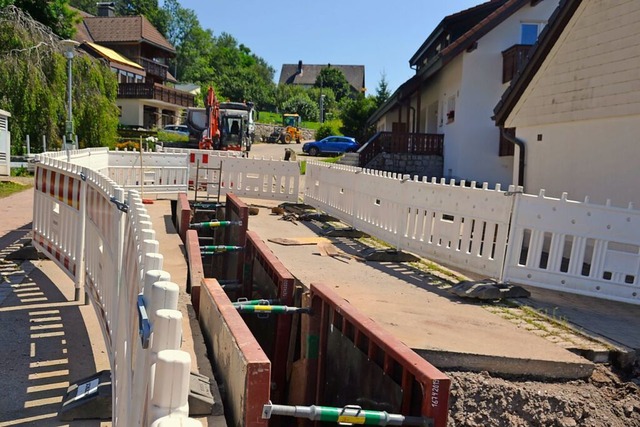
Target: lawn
x: 276, y: 119
x: 8, y: 188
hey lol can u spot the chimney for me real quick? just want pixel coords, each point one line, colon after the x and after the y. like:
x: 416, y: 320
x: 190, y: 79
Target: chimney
x: 106, y: 9
x: 300, y: 67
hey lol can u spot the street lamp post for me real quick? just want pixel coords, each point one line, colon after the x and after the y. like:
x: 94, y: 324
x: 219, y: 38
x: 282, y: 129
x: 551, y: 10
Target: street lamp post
x: 69, y: 46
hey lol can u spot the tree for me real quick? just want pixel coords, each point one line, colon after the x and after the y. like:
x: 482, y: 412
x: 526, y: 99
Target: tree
x: 334, y: 78
x: 302, y: 105
x: 355, y: 115
x: 33, y: 76
x: 54, y: 14
x: 382, y: 91
x: 88, y: 6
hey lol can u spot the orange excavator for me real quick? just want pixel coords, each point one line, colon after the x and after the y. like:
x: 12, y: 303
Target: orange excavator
x: 210, y: 138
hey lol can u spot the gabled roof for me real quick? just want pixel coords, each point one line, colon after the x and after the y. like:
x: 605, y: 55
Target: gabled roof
x: 538, y: 53
x: 290, y: 74
x: 125, y: 29
x: 456, y: 25
x: 485, y: 17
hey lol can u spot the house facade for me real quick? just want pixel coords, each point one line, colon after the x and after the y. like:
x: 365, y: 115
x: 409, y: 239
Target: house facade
x: 305, y: 75
x: 575, y: 109
x: 462, y: 69
x: 138, y: 54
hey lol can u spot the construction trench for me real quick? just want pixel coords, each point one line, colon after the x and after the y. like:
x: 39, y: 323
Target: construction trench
x: 288, y: 353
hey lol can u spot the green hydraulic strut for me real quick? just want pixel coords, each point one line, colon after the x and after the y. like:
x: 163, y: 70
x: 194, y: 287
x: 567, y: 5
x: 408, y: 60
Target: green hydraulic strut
x: 214, y: 224
x: 266, y: 309
x: 205, y: 205
x: 244, y: 301
x: 218, y: 249
x: 348, y: 415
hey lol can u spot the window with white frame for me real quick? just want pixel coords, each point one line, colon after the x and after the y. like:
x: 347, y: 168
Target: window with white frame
x: 529, y: 32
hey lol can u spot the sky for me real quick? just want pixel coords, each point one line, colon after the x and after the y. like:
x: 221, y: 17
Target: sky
x: 382, y: 36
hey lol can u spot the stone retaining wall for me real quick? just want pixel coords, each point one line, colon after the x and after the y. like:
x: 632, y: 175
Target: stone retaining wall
x: 264, y: 130
x: 411, y: 164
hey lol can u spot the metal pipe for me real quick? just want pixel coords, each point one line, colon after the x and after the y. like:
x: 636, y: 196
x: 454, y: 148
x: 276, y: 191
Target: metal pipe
x: 275, y: 309
x: 521, y: 144
x: 214, y: 224
x: 347, y: 415
x: 256, y: 301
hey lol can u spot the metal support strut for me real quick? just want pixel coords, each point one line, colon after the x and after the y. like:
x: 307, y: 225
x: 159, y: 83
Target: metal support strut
x: 214, y: 224
x: 348, y: 415
x: 219, y: 249
x: 275, y: 309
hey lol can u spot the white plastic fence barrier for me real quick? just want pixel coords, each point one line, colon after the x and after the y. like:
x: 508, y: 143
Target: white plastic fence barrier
x: 258, y: 178
x: 556, y: 244
x: 575, y: 247
x: 463, y: 226
x: 96, y: 159
x: 5, y: 144
x: 104, y: 239
x: 150, y: 172
x: 202, y: 158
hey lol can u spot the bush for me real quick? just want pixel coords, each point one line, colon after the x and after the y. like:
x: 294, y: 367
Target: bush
x: 327, y: 129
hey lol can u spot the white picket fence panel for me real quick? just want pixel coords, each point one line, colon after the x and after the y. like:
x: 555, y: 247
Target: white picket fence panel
x: 96, y: 159
x: 446, y: 223
x: 533, y: 240
x: 149, y: 172
x: 258, y: 178
x: 575, y: 247
x: 80, y: 222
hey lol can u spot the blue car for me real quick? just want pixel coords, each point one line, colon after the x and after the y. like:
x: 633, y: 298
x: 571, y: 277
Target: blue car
x: 331, y: 145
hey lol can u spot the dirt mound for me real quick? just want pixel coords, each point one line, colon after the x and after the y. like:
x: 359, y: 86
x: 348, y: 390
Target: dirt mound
x: 605, y: 399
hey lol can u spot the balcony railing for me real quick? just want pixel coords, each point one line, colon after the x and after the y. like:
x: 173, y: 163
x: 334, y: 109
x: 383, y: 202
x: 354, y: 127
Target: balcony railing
x: 426, y: 144
x: 156, y: 91
x: 155, y: 68
x: 513, y: 59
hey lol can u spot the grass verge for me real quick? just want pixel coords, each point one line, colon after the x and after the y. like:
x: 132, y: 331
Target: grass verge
x: 8, y: 188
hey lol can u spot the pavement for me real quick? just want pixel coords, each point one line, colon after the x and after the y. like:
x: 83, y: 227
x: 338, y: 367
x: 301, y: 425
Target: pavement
x: 50, y: 341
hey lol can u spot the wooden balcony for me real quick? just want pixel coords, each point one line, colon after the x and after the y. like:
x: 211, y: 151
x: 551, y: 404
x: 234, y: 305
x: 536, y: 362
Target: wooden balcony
x: 426, y: 144
x: 154, y: 68
x: 512, y: 60
x: 156, y: 91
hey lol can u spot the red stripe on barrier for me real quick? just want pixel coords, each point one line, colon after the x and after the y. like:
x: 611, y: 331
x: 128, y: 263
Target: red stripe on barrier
x: 51, y: 183
x: 205, y: 159
x: 62, y: 188
x: 192, y: 157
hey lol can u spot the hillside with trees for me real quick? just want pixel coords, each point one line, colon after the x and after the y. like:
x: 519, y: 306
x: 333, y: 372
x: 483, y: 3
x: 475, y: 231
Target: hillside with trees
x: 32, y: 72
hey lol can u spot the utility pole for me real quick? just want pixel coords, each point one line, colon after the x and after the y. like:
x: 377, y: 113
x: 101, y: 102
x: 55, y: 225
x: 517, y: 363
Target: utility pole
x: 69, y: 52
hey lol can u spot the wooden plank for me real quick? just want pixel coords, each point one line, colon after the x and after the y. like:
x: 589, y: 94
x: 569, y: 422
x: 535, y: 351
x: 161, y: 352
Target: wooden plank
x: 298, y: 241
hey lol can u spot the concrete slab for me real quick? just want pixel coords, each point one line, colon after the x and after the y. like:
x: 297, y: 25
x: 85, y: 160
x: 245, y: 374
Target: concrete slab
x: 449, y: 331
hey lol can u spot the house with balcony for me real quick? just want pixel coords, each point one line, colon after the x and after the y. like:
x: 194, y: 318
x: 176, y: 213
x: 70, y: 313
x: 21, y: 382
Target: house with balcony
x: 574, y: 110
x: 138, y: 54
x: 462, y: 70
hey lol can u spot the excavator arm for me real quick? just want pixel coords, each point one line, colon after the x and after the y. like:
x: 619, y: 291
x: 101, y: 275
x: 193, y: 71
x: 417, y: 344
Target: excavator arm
x: 211, y: 135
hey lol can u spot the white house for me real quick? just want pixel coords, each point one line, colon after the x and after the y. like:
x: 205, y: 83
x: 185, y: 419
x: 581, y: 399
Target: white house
x: 462, y: 70
x: 576, y: 106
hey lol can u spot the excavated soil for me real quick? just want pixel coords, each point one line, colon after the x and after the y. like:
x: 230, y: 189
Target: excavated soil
x: 605, y: 399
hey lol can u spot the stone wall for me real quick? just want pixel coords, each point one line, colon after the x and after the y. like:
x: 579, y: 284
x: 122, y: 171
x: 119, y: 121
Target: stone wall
x: 411, y: 164
x: 264, y: 130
